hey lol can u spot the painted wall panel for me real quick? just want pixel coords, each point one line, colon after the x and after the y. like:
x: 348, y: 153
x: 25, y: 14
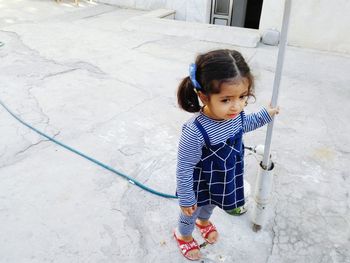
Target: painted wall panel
x: 317, y: 24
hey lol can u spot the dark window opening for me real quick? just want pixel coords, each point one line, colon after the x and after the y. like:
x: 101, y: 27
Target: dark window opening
x: 253, y: 13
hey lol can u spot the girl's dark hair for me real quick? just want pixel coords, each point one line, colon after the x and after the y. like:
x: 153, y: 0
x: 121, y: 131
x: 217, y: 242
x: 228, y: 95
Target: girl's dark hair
x: 213, y: 69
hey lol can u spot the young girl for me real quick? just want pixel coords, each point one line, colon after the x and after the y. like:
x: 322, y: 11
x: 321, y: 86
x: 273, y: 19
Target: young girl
x: 211, y: 151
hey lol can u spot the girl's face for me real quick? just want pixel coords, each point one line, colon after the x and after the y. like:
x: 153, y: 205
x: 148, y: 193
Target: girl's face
x: 227, y: 104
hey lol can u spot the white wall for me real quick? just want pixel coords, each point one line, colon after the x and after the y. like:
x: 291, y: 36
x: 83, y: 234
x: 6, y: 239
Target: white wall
x: 188, y: 10
x: 318, y: 24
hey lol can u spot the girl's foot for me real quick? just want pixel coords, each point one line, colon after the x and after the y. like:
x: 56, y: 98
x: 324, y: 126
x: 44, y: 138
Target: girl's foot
x: 188, y: 247
x: 208, y: 230
x: 238, y: 211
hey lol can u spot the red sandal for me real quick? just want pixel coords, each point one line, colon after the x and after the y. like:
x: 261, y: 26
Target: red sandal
x: 186, y: 247
x: 206, y: 230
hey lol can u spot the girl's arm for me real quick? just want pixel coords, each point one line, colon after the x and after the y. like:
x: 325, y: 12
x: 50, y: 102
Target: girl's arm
x: 256, y: 120
x: 189, y: 154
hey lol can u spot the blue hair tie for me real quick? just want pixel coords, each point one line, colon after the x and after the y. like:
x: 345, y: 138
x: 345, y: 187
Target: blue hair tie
x: 193, y: 69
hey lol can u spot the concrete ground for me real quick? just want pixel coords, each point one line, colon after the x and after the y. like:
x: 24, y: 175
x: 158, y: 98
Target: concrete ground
x: 78, y: 75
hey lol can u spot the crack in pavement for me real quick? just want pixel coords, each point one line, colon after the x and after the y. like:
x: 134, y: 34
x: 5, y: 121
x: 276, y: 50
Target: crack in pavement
x: 35, y: 144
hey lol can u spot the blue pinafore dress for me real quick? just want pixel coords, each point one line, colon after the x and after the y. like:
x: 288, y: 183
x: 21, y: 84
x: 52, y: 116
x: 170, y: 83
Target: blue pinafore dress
x: 218, y: 176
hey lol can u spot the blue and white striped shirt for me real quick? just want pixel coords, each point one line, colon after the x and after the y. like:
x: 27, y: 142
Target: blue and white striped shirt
x: 192, y: 142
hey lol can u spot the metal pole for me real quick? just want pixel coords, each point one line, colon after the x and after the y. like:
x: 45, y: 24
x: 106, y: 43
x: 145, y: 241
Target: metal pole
x: 264, y: 179
x: 279, y: 66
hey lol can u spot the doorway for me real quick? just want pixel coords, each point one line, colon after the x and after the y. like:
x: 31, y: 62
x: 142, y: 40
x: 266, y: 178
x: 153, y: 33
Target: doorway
x: 240, y: 13
x: 253, y: 14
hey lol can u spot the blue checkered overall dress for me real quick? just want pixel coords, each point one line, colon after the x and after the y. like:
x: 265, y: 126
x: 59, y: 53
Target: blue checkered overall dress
x: 218, y: 176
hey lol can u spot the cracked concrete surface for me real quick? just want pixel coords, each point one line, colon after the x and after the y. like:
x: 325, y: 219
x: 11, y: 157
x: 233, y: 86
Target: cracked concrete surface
x: 75, y: 74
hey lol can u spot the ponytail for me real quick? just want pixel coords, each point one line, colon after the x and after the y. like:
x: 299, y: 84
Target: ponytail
x: 187, y: 97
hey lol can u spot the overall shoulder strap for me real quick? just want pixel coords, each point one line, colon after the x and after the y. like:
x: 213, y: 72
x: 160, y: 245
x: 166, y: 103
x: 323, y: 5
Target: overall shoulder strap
x: 203, y: 132
x: 242, y: 118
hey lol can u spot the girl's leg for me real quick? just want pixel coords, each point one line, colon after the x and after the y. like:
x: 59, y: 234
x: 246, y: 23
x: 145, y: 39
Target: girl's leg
x: 186, y: 226
x: 203, y: 221
x: 186, y: 223
x: 206, y: 212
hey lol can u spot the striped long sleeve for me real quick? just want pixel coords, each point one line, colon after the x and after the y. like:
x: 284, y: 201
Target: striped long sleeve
x: 256, y: 120
x: 189, y: 154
